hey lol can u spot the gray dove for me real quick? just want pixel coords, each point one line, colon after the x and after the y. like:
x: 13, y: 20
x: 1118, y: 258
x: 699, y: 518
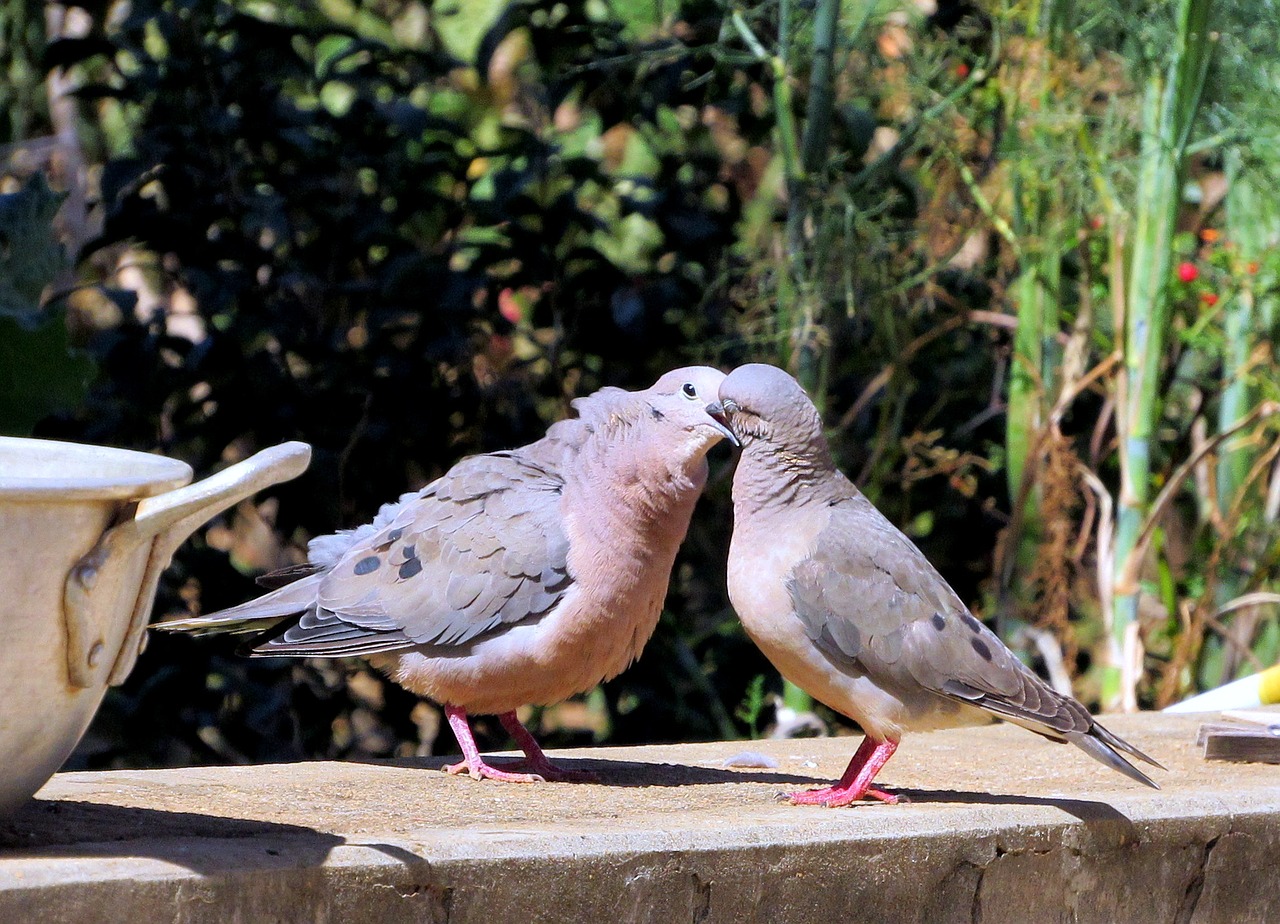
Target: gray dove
x: 848, y: 609
x: 517, y: 577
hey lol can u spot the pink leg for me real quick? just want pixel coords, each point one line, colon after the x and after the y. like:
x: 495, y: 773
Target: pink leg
x: 536, y: 760
x: 856, y: 782
x: 471, y: 764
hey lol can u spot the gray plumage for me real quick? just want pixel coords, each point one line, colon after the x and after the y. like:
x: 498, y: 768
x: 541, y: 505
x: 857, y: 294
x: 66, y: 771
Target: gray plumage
x: 522, y: 576
x: 481, y: 546
x: 850, y: 609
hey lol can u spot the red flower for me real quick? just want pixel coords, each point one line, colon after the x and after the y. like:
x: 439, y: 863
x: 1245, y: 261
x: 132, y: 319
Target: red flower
x: 509, y: 306
x: 962, y: 70
x: 1252, y: 268
x: 1209, y: 298
x: 1187, y: 272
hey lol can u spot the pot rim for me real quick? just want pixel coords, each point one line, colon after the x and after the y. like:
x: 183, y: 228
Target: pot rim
x: 133, y: 475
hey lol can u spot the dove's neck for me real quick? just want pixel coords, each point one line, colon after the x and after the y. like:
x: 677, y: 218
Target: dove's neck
x: 649, y: 484
x: 771, y: 477
x: 628, y: 498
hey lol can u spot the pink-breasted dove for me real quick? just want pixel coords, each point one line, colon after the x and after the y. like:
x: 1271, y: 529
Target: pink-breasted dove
x: 848, y: 609
x: 518, y: 577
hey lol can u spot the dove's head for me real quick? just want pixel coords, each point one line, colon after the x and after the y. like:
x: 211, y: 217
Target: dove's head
x: 765, y: 407
x: 688, y: 400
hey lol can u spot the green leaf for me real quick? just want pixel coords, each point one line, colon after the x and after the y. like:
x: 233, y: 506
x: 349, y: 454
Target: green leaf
x: 641, y: 18
x: 629, y: 244
x: 462, y: 24
x: 39, y: 372
x: 30, y: 257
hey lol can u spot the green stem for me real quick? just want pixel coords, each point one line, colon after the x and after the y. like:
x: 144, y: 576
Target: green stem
x: 811, y: 358
x: 1169, y: 107
x: 817, y: 117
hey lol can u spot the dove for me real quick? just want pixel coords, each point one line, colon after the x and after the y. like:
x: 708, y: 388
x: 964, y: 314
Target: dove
x: 518, y: 577
x: 848, y: 609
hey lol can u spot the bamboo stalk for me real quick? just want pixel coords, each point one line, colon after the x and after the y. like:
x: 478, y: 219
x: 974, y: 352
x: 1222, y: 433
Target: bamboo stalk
x: 800, y: 315
x: 811, y: 359
x: 1247, y: 226
x: 1170, y: 101
x: 1251, y: 219
x: 817, y: 116
x: 1039, y: 226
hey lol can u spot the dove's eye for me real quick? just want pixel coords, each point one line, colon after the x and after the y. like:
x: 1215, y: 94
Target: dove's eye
x: 689, y: 390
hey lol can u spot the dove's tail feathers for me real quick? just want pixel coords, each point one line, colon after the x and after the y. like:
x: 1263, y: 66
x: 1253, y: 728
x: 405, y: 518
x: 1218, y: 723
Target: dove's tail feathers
x: 1120, y: 744
x: 1105, y: 747
x: 282, y: 577
x: 351, y: 643
x: 253, y: 615
x: 323, y: 633
x: 1039, y: 709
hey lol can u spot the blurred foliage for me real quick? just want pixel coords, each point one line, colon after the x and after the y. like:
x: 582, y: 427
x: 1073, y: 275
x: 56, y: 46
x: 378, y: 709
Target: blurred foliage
x: 405, y: 231
x: 40, y: 373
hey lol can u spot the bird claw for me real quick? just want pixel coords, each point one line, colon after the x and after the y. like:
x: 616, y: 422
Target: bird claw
x: 482, y: 771
x: 835, y: 797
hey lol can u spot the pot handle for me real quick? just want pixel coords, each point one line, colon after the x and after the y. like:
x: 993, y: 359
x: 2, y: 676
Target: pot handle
x: 165, y: 522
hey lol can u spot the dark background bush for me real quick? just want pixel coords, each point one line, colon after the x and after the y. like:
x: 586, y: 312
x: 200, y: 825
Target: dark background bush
x: 410, y: 236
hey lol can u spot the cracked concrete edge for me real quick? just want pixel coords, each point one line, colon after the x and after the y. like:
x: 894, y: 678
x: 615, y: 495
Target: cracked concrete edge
x: 1174, y: 868
x: 868, y: 825
x: 1024, y: 825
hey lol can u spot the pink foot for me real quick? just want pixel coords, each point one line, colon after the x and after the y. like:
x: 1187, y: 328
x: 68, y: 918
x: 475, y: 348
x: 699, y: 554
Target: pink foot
x: 834, y: 796
x: 471, y: 763
x: 856, y: 782
x: 483, y: 771
x: 536, y: 760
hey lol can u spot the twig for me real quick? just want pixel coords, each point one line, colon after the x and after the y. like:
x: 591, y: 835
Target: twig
x: 985, y: 206
x: 1051, y: 651
x: 1271, y: 512
x: 1206, y: 485
x: 59, y: 23
x: 1236, y: 510
x: 1069, y: 394
x: 885, y: 375
x: 1106, y: 509
x: 1128, y: 578
x: 1257, y: 598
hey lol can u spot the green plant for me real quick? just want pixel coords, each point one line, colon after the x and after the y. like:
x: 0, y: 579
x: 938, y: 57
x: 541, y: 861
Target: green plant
x: 40, y: 372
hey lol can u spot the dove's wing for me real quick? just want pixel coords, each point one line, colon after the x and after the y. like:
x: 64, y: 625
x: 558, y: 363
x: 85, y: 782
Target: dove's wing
x: 482, y: 547
x: 869, y: 598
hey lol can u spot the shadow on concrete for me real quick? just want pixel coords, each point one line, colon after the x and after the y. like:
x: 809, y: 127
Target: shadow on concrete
x: 1084, y: 809
x: 64, y: 829
x: 628, y: 772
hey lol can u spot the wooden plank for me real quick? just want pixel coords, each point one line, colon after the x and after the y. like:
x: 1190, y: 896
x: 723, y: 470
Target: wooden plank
x: 1239, y: 742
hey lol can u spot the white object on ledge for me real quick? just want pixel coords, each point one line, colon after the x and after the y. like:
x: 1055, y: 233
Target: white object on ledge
x: 1261, y: 689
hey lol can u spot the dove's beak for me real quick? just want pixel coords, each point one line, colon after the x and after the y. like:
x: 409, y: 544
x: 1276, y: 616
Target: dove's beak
x: 715, y: 410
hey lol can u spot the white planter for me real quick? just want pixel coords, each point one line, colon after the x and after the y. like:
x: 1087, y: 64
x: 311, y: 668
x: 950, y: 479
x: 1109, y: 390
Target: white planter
x: 84, y: 533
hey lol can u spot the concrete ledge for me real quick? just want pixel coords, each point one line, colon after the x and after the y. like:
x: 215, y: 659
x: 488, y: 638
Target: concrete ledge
x: 1002, y: 826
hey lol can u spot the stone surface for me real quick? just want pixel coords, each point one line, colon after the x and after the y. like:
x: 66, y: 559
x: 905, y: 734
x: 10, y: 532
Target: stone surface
x: 1001, y: 826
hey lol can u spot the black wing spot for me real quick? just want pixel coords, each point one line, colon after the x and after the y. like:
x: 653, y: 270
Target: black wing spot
x: 395, y: 534
x: 939, y: 621
x: 657, y: 414
x: 410, y: 568
x: 981, y: 647
x: 972, y: 623
x: 368, y: 565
